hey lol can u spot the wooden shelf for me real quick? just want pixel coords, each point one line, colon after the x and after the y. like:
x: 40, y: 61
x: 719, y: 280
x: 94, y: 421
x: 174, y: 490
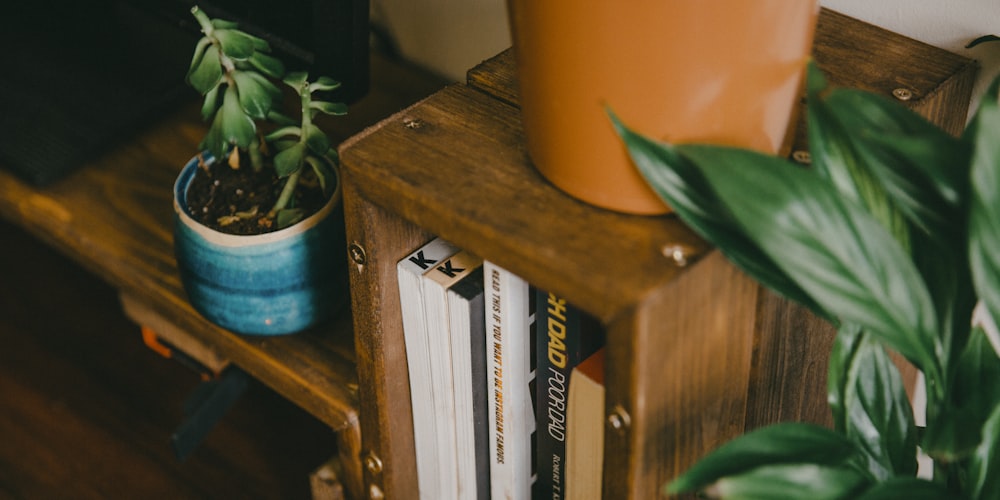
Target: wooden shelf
x: 697, y: 352
x: 114, y: 216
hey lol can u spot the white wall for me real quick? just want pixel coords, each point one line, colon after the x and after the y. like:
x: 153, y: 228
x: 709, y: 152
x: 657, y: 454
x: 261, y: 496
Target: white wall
x: 450, y: 36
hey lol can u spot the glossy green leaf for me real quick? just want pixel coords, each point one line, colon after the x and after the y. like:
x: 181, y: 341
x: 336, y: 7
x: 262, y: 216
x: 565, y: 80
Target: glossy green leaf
x: 290, y: 131
x: 324, y: 173
x: 839, y: 374
x: 680, y: 183
x: 324, y: 83
x: 235, y: 44
x: 317, y: 141
x: 237, y: 127
x: 256, y: 93
x: 210, y: 105
x: 879, y: 415
x: 330, y: 108
x: 267, y: 64
x: 296, y: 79
x: 289, y: 160
x: 908, y: 488
x: 835, y: 155
x: 836, y: 251
x: 206, y: 69
x: 792, y: 482
x: 790, y: 443
x: 984, y: 466
x: 984, y: 207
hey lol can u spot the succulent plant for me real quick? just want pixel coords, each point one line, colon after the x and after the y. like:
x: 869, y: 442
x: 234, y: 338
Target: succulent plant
x: 235, y: 72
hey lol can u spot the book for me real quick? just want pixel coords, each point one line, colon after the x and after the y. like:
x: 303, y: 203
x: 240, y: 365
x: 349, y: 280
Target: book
x: 467, y: 322
x: 566, y: 337
x: 410, y: 271
x: 511, y: 417
x: 454, y: 461
x: 585, y: 425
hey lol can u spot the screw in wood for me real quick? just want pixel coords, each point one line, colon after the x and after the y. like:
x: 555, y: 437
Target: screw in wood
x: 373, y: 463
x: 677, y: 253
x: 357, y: 253
x: 802, y: 157
x: 619, y: 419
x: 902, y: 94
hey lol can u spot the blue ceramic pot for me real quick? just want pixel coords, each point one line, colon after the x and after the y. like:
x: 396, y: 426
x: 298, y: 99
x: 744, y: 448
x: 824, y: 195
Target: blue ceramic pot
x: 270, y: 284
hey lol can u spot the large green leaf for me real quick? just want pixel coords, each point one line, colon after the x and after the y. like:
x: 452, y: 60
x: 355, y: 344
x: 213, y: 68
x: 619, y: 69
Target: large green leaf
x: 835, y: 250
x: 210, y: 105
x: 680, y: 183
x: 879, y: 415
x: 790, y: 443
x: 984, y: 209
x: 838, y: 379
x: 267, y: 64
x: 908, y: 488
x: 792, y: 482
x: 870, y: 404
x: 984, y: 466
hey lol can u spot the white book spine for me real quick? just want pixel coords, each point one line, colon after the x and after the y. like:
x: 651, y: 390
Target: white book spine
x: 409, y: 273
x: 511, y: 417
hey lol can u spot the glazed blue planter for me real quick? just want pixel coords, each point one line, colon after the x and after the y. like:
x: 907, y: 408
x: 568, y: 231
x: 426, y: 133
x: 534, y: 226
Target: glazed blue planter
x: 270, y: 284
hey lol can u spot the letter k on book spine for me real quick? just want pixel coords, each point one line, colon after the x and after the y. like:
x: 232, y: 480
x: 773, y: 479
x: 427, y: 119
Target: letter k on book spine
x: 409, y: 274
x: 511, y: 417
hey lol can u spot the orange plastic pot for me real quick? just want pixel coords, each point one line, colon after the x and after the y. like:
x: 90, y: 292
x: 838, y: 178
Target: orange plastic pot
x: 726, y: 72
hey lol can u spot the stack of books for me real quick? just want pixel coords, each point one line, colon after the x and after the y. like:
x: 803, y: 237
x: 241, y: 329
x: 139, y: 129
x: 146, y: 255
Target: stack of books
x: 491, y: 361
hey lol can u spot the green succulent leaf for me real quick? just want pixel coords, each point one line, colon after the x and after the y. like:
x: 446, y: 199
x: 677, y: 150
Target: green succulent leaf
x: 205, y: 72
x: 237, y: 127
x: 324, y: 83
x: 324, y: 173
x: 256, y: 93
x: 835, y: 250
x: 296, y: 79
x: 289, y: 131
x: 781, y: 444
x: 908, y: 488
x: 210, y: 105
x: 267, y: 64
x: 317, y: 141
x: 330, y: 108
x: 288, y: 216
x: 984, y: 466
x: 290, y: 160
x: 680, y: 183
x: 984, y: 216
x: 792, y: 482
x: 236, y: 44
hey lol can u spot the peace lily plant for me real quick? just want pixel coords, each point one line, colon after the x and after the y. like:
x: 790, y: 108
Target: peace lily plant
x: 893, y: 235
x: 234, y: 70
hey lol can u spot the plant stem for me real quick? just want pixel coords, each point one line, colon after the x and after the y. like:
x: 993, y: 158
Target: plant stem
x: 286, y: 193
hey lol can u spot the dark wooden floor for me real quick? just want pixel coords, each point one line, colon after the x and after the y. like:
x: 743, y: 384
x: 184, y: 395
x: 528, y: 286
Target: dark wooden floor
x: 86, y: 410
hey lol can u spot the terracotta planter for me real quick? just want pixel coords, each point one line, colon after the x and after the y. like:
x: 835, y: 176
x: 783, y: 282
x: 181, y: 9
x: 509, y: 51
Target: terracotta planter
x: 726, y: 72
x: 269, y: 284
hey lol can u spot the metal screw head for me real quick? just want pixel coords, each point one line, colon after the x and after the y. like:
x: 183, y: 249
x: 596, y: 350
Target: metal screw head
x: 373, y: 463
x: 357, y: 253
x: 802, y: 157
x: 677, y: 253
x: 413, y: 123
x: 902, y: 94
x: 619, y: 419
